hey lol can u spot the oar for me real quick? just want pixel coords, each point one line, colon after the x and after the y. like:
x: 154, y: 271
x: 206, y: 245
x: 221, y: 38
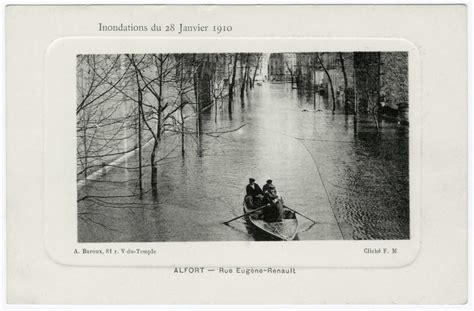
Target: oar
x: 255, y: 210
x: 300, y: 214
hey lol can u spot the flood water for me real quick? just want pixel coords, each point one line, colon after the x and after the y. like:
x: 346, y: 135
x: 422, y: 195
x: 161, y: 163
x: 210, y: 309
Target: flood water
x: 331, y: 167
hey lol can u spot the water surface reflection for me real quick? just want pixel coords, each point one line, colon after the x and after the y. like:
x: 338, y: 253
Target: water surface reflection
x: 329, y: 166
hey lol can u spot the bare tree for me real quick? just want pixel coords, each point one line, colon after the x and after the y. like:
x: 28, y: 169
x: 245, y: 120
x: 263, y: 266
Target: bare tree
x: 244, y: 75
x: 232, y: 83
x: 256, y: 67
x: 127, y: 101
x: 183, y: 84
x: 140, y: 117
x: 104, y: 123
x: 346, y: 89
x: 333, y: 96
x: 198, y: 105
x: 154, y: 75
x: 218, y: 87
x: 100, y: 122
x: 291, y: 70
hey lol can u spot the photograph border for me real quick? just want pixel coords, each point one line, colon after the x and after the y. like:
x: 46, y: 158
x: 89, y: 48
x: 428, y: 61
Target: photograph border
x: 60, y: 238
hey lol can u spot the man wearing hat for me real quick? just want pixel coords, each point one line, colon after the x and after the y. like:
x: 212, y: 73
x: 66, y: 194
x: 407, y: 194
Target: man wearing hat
x: 267, y: 186
x: 254, y: 194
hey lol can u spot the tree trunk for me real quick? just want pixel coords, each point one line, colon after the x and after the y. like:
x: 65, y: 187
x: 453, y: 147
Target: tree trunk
x: 255, y: 72
x: 140, y: 177
x: 181, y: 107
x: 313, y: 85
x: 182, y: 129
x: 215, y: 109
x: 154, y: 169
x: 356, y: 108
x: 215, y: 91
x: 379, y: 83
x: 245, y: 77
x: 291, y: 71
x: 232, y: 84
x: 139, y: 132
x: 84, y: 143
x: 196, y: 77
x: 330, y: 84
x: 373, y: 110
x: 346, y: 105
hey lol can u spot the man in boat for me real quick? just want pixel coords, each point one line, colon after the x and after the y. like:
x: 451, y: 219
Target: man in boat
x: 267, y: 186
x: 274, y: 210
x: 254, y: 194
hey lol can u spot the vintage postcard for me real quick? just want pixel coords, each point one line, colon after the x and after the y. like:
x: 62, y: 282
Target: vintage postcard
x: 177, y: 142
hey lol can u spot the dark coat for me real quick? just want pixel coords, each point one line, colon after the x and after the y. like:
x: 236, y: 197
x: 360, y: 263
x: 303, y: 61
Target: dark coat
x: 265, y: 187
x: 269, y: 197
x: 253, y: 191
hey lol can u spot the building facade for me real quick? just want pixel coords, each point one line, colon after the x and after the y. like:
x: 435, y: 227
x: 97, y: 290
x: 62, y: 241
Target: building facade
x: 381, y: 80
x: 281, y: 66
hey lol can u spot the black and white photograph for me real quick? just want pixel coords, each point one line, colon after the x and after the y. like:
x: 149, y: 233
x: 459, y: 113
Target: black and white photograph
x: 174, y: 154
x: 242, y: 146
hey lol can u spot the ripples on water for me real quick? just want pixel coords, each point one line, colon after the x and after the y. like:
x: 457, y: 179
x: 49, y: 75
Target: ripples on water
x: 352, y: 180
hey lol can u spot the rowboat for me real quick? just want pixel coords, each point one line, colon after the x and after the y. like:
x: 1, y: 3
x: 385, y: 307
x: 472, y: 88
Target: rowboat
x: 283, y: 230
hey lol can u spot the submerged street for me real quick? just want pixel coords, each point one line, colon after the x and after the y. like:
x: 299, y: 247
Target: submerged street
x: 334, y: 168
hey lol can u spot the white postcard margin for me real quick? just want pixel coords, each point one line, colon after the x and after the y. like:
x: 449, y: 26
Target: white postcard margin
x: 438, y: 275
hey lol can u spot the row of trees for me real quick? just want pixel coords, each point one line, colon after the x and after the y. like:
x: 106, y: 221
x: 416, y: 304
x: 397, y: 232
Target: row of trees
x: 133, y: 104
